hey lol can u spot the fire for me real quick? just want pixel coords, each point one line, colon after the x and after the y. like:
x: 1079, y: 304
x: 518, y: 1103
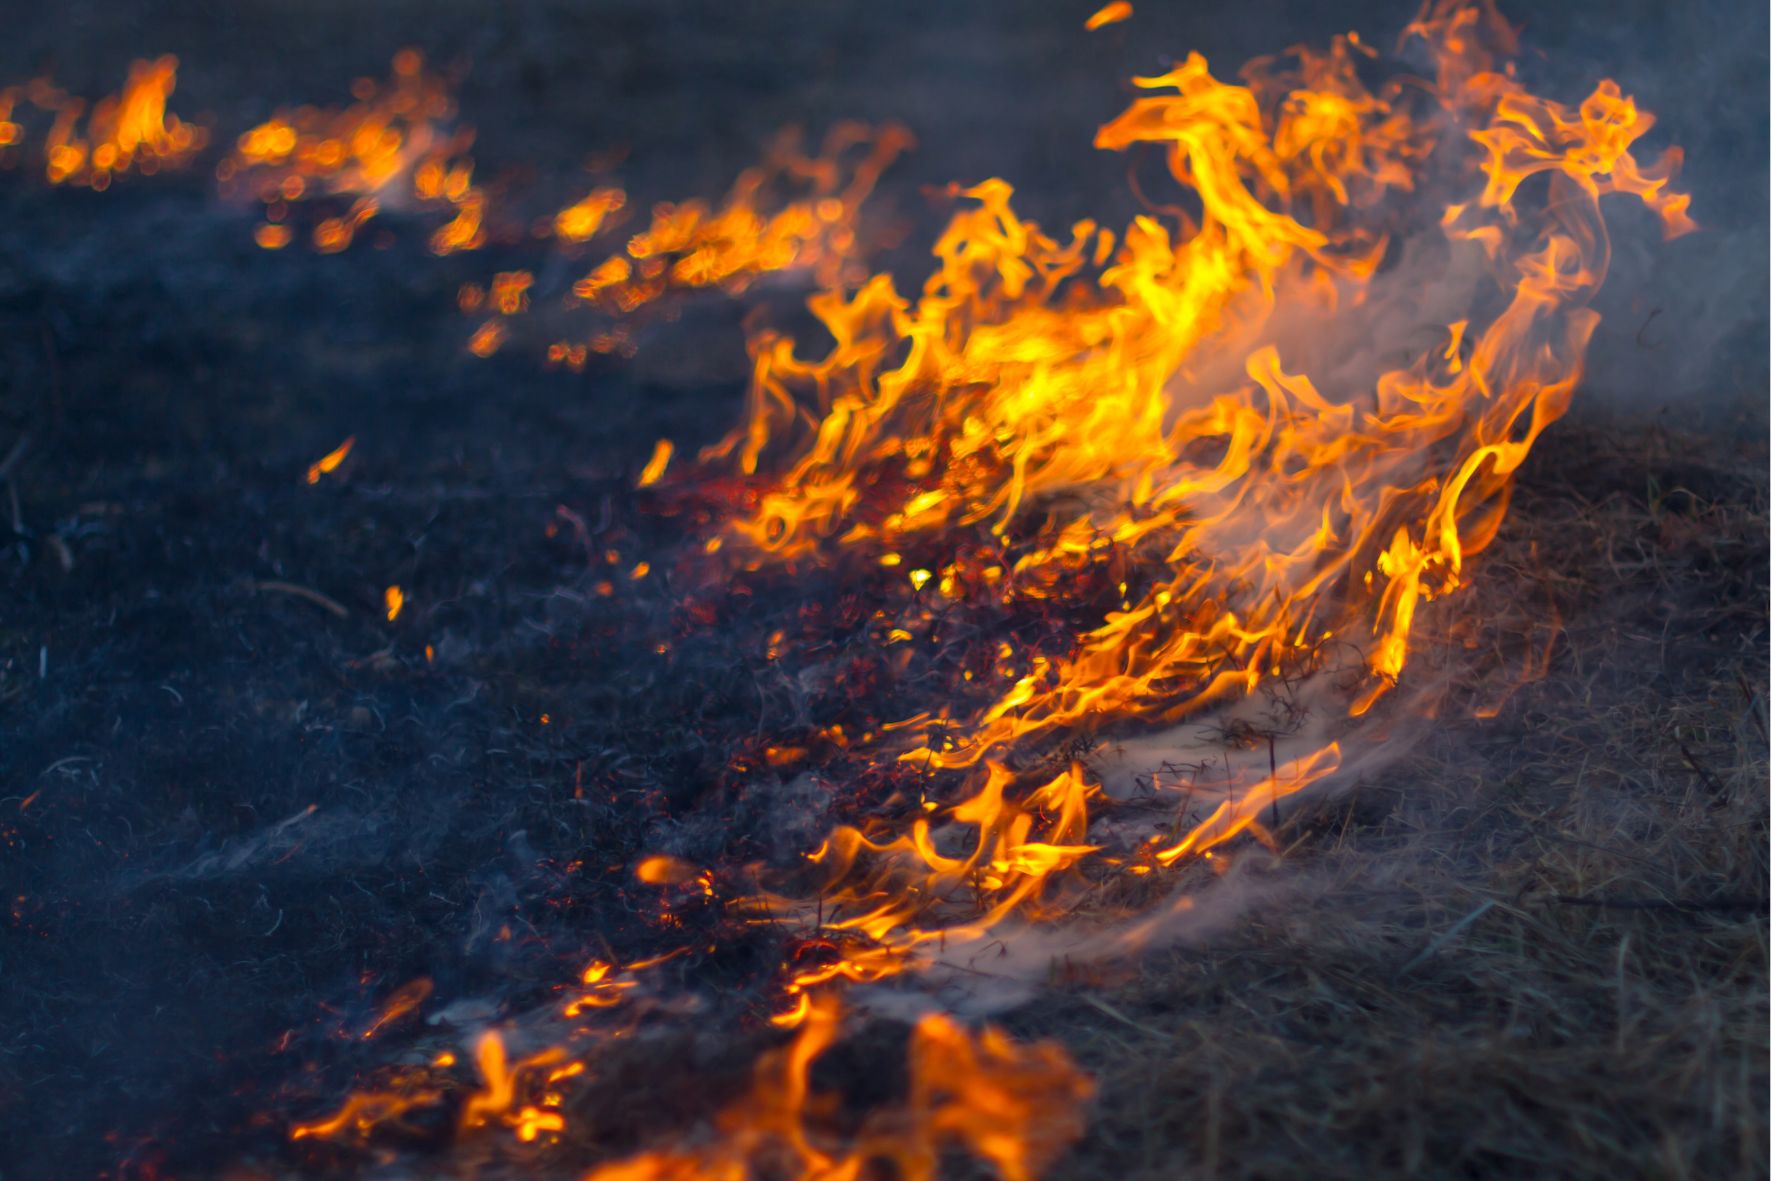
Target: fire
x: 582, y: 220
x: 405, y: 1001
x: 655, y: 467
x: 1143, y: 400
x: 330, y: 462
x: 1109, y: 14
x: 1028, y: 372
x: 396, y: 145
x: 794, y: 211
x: 1189, y: 431
x: 128, y: 131
x: 693, y: 245
x: 1012, y: 1106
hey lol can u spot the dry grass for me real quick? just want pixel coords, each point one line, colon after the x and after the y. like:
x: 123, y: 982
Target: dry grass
x: 1539, y: 948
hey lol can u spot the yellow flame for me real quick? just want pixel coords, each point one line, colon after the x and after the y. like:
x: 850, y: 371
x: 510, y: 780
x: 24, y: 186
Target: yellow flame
x: 329, y: 462
x: 1109, y: 14
x: 655, y: 467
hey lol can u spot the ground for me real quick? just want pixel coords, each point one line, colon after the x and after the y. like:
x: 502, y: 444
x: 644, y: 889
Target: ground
x: 233, y: 818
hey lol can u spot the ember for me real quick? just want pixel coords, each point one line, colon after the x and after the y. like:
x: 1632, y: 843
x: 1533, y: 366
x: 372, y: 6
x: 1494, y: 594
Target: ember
x: 763, y: 788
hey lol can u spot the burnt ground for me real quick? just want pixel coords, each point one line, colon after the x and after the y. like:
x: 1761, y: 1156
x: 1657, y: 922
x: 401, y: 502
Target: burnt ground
x: 233, y: 819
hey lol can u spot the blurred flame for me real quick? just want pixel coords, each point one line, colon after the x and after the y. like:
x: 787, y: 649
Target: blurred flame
x: 1013, y: 1106
x: 655, y: 467
x: 329, y: 462
x: 396, y: 144
x: 660, y: 870
x: 1109, y: 14
x: 131, y: 130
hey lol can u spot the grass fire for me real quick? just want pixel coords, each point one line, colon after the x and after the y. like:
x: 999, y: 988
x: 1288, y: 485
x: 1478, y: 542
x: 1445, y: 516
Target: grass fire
x: 641, y: 593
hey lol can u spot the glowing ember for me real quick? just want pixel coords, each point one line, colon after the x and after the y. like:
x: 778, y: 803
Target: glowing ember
x: 329, y: 462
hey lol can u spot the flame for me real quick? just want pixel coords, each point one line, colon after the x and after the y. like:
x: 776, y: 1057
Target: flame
x: 582, y: 220
x: 655, y: 467
x: 396, y: 144
x: 794, y: 211
x: 1185, y: 410
x: 329, y: 462
x: 662, y: 870
x: 407, y: 999
x: 1109, y: 14
x: 1123, y: 400
x: 1028, y: 373
x: 502, y: 1081
x: 367, y: 1110
x: 131, y: 130
x: 1013, y: 1106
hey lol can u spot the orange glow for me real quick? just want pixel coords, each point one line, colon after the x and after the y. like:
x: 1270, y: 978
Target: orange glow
x: 793, y: 211
x: 329, y: 462
x: 364, y: 1111
x: 394, y: 598
x: 273, y: 237
x: 582, y: 220
x: 488, y: 338
x: 1208, y: 433
x: 401, y: 1003
x: 655, y: 467
x: 660, y: 870
x: 510, y: 292
x: 131, y: 130
x: 336, y: 233
x: 503, y: 1082
x: 396, y: 145
x: 1070, y: 383
x: 1014, y: 1107
x: 1125, y: 401
x: 1109, y: 14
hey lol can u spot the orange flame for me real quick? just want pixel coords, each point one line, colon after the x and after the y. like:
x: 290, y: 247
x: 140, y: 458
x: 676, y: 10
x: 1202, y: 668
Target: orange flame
x: 1069, y: 399
x: 1015, y: 1107
x: 1109, y: 14
x: 329, y: 462
x: 1171, y: 407
x: 395, y: 144
x: 655, y: 467
x: 130, y: 130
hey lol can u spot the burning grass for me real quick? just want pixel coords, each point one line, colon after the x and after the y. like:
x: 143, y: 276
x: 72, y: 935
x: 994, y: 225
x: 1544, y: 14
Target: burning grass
x: 1538, y: 947
x: 591, y: 828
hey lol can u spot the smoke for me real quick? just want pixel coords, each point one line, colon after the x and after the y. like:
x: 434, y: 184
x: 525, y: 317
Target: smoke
x: 986, y: 973
x: 1683, y: 330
